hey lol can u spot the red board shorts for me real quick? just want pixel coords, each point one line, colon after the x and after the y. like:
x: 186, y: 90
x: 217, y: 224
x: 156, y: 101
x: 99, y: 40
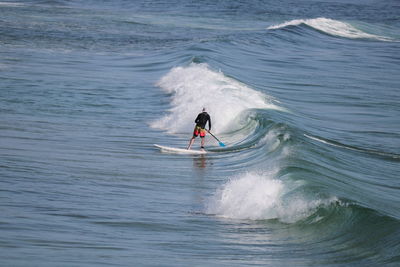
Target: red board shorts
x: 198, y: 130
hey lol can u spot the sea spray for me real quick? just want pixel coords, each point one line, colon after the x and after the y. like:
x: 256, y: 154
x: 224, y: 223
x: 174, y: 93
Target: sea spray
x: 260, y: 196
x: 196, y: 86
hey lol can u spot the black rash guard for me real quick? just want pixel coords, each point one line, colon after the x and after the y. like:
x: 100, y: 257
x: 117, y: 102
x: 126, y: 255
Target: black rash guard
x: 202, y: 119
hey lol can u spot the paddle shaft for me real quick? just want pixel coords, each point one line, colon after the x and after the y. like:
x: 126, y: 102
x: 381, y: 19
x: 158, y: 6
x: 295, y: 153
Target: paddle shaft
x: 221, y: 144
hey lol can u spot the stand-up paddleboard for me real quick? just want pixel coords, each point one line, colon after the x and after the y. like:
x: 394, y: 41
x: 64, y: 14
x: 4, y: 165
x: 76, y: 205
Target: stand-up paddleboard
x: 180, y: 150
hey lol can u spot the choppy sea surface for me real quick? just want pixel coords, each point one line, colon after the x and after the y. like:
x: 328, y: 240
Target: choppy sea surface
x: 305, y: 95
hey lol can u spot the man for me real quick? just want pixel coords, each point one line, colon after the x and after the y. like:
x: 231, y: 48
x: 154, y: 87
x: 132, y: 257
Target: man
x: 199, y: 129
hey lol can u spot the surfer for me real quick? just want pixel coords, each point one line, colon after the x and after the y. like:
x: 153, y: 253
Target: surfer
x: 199, y: 129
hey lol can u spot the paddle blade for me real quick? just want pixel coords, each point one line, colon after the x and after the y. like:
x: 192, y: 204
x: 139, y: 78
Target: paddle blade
x: 221, y: 144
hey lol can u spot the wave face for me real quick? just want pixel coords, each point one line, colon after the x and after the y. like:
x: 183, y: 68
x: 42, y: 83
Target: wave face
x: 331, y: 27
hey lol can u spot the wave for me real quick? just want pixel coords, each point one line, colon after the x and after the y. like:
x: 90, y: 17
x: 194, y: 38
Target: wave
x: 258, y: 196
x: 331, y: 27
x: 196, y: 86
x: 11, y: 4
x: 282, y: 176
x: 246, y: 117
x: 382, y: 154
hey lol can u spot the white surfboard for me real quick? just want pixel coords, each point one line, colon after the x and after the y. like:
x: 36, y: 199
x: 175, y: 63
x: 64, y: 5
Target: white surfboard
x: 180, y: 150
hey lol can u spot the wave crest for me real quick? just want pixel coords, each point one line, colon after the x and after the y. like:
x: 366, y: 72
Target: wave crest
x: 331, y: 27
x: 197, y: 86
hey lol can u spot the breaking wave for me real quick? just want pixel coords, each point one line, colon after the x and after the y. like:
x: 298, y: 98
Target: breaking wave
x: 196, y: 86
x: 331, y: 27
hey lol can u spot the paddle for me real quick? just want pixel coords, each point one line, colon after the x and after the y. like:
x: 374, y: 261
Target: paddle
x: 220, y: 143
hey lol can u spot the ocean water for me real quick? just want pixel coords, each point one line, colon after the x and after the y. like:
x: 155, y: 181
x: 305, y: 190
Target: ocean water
x: 305, y: 95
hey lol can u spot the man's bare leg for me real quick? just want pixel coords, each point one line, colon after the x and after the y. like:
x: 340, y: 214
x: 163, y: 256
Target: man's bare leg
x: 190, y: 143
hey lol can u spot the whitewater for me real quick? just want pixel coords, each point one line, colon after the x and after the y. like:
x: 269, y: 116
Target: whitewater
x: 197, y: 86
x: 331, y: 27
x: 304, y: 95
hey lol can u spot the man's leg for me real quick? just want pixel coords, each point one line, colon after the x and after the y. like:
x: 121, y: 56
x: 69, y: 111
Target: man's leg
x: 202, y: 142
x: 191, y: 142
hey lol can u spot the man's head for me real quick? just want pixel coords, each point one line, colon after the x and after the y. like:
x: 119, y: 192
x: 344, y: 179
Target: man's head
x: 204, y: 109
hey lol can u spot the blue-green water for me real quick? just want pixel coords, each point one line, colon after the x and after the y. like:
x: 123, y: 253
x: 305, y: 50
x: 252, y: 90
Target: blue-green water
x: 305, y: 94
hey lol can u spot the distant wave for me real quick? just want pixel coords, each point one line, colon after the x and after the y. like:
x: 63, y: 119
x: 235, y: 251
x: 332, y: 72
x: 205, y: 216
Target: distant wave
x: 331, y: 27
x: 386, y: 155
x: 11, y: 4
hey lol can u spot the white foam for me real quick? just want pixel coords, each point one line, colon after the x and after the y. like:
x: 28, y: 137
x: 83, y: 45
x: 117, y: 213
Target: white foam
x: 259, y: 197
x: 197, y: 86
x: 11, y: 4
x: 332, y: 27
x: 272, y: 141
